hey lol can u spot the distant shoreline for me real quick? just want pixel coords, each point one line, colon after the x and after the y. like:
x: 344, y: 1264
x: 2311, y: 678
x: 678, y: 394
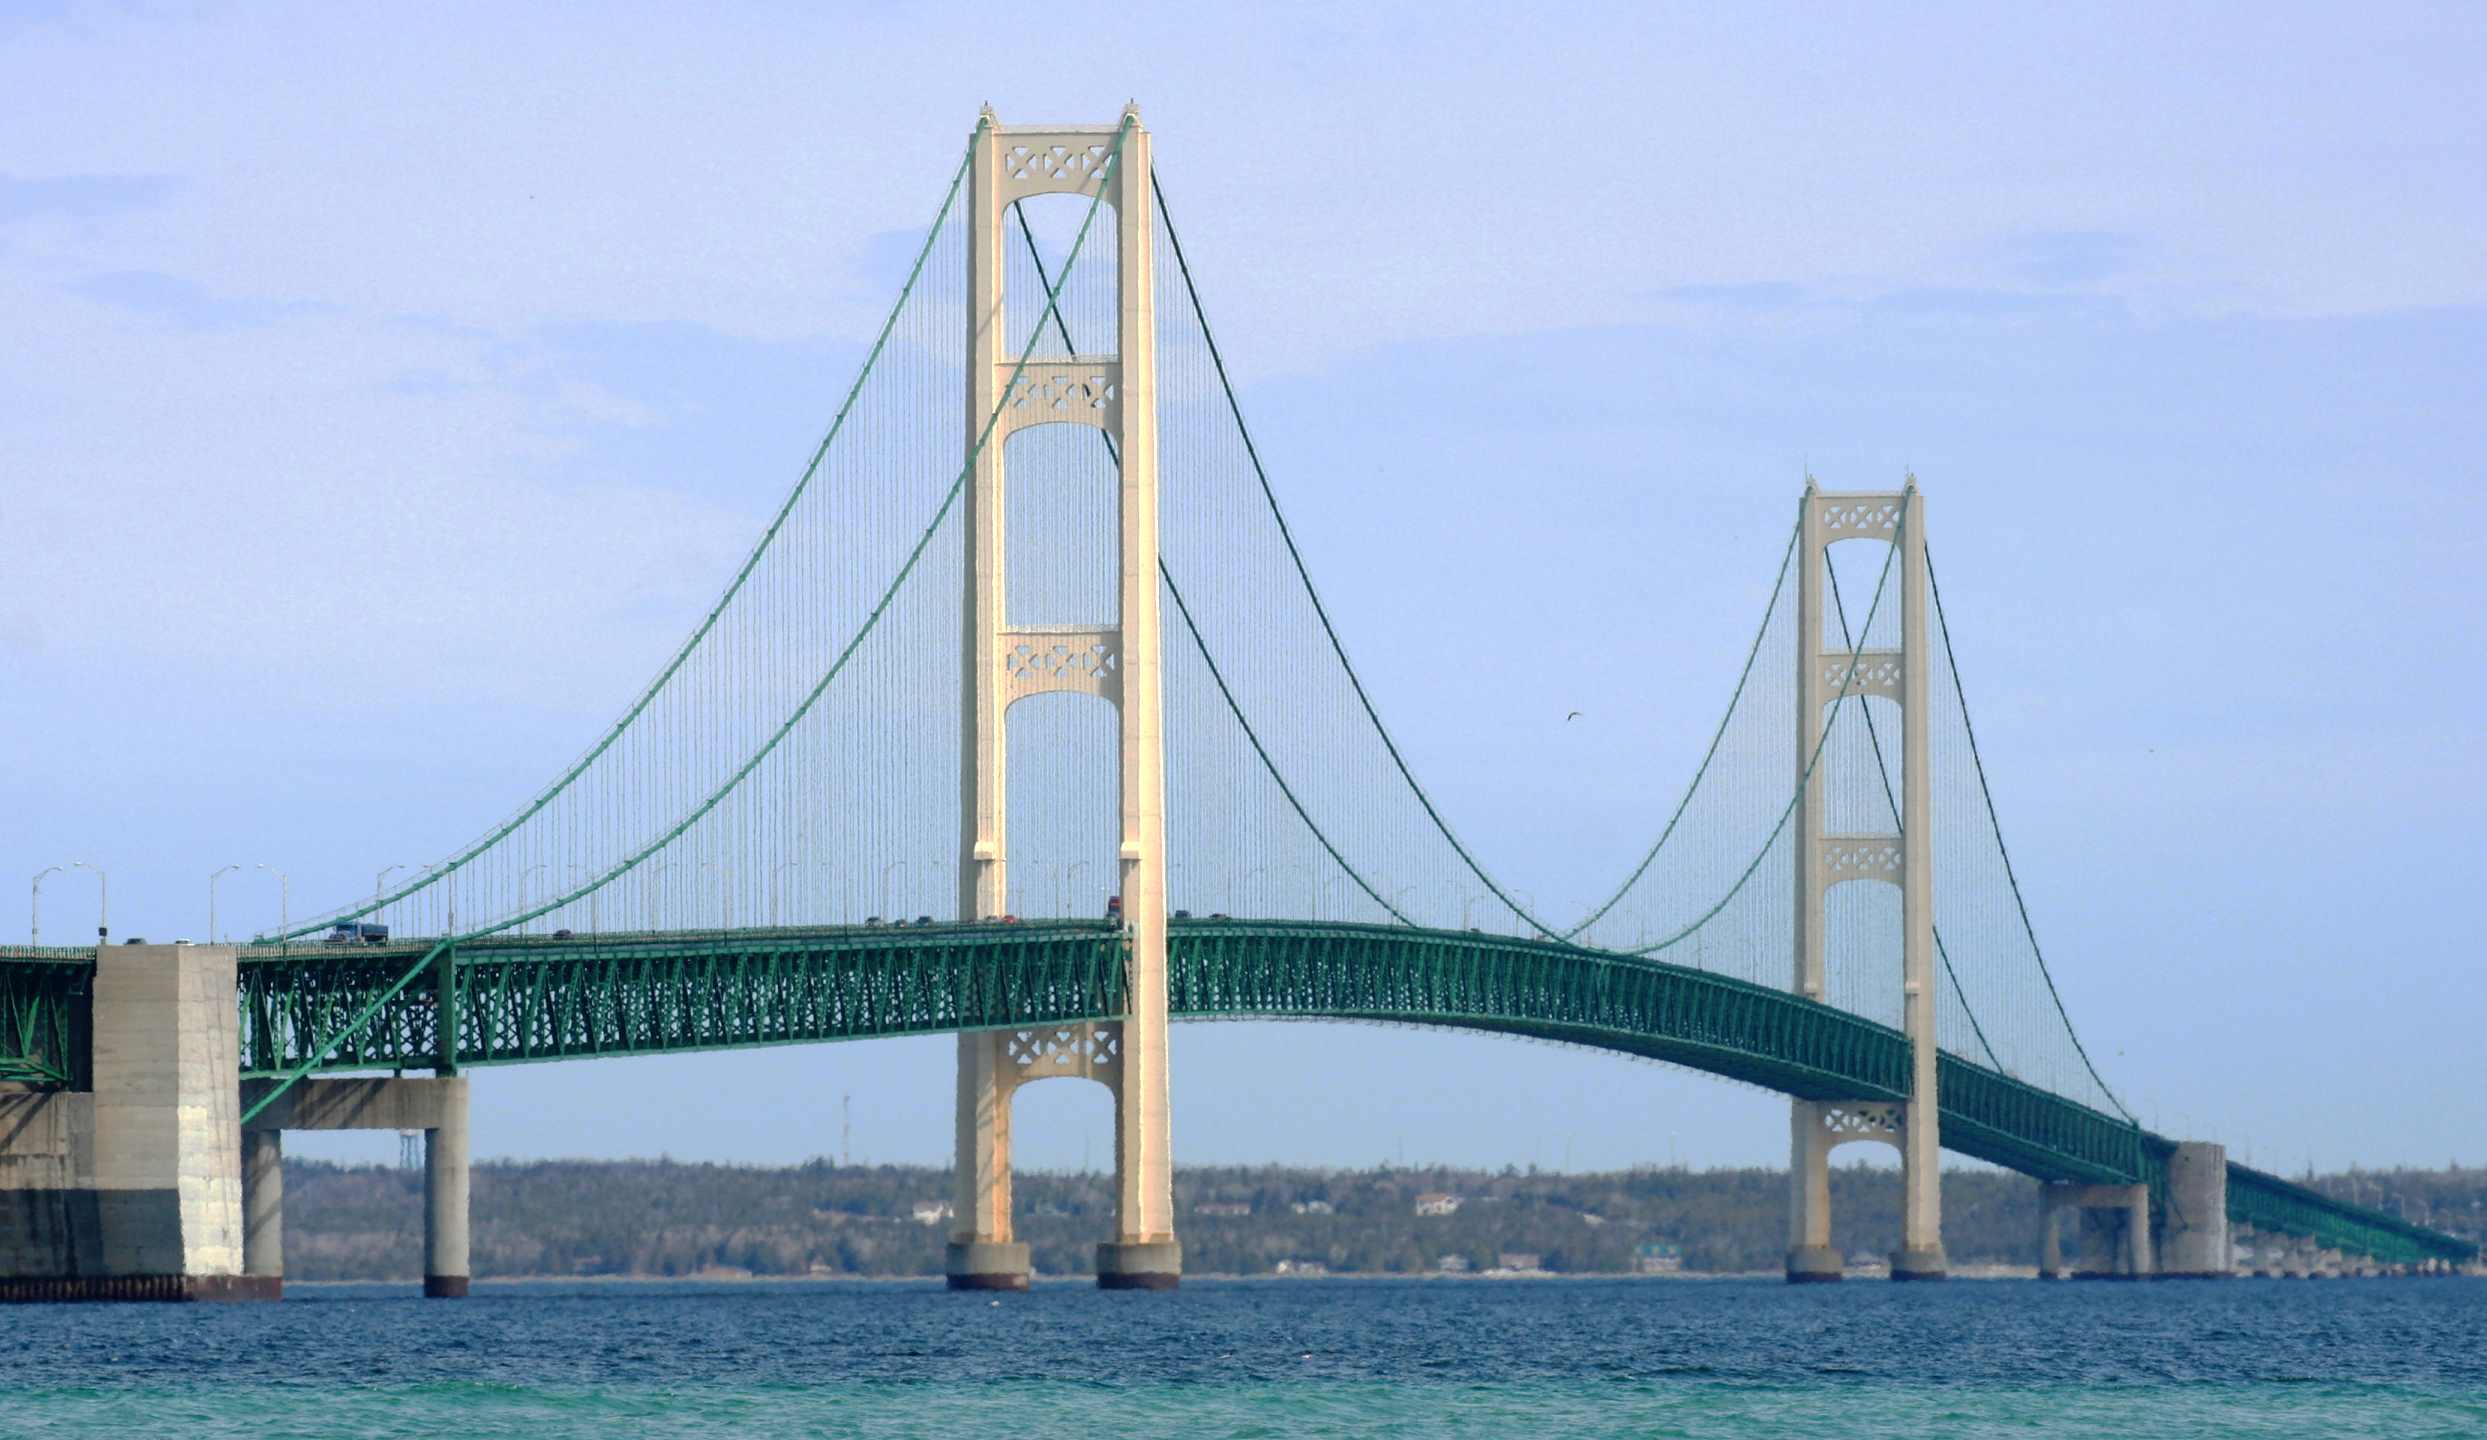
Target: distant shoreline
x: 1976, y: 1272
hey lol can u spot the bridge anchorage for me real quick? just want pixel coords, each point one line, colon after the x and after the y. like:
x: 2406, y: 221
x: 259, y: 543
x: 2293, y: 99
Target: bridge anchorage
x: 794, y: 760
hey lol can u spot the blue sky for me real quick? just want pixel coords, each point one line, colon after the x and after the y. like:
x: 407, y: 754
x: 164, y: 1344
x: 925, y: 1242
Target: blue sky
x: 467, y: 350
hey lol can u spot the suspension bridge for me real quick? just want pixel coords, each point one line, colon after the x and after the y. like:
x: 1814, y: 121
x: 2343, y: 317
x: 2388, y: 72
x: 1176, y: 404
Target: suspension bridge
x: 1024, y: 720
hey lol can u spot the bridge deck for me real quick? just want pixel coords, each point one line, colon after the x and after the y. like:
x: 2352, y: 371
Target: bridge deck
x: 520, y: 999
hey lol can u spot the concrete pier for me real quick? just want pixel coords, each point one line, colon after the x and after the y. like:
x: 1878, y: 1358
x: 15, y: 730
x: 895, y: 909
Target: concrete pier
x: 2113, y: 1226
x: 445, y: 1267
x: 435, y: 1106
x: 263, y: 1207
x: 2193, y: 1224
x: 133, y: 1190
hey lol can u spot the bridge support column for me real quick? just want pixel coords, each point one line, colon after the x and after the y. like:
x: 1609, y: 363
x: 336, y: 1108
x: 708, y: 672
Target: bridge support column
x: 133, y: 1190
x: 1143, y: 1254
x: 1830, y: 673
x: 263, y: 1207
x: 1118, y: 393
x: 1811, y: 1258
x: 2193, y: 1224
x: 982, y: 1255
x: 445, y: 1180
x: 2114, y: 1230
x: 436, y: 1106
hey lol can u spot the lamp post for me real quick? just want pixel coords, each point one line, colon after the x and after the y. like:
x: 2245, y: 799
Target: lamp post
x: 655, y: 890
x: 575, y: 871
x: 782, y: 867
x: 103, y: 900
x: 212, y: 877
x: 522, y: 889
x: 379, y: 883
x: 1070, y: 880
x: 34, y: 921
x: 885, y: 873
x: 284, y: 900
x: 725, y: 898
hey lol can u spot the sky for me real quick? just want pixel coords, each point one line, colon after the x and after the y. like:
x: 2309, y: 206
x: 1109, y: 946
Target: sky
x: 385, y: 392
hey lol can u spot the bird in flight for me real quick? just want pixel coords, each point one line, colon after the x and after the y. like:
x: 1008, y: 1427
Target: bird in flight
x: 1568, y: 719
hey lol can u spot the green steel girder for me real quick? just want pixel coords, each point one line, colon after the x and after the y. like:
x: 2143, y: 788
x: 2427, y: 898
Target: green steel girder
x: 1468, y: 980
x: 526, y: 999
x: 46, y: 1010
x: 1707, y: 1022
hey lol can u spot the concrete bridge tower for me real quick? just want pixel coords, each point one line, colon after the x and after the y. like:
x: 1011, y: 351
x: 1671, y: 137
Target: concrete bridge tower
x: 1116, y: 662
x: 1826, y: 672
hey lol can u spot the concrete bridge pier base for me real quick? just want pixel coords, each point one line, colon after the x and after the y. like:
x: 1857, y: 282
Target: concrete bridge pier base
x: 446, y: 1268
x: 1812, y: 1260
x: 2192, y: 1240
x: 437, y: 1107
x: 2114, y: 1230
x: 981, y: 1254
x: 132, y: 1189
x: 263, y: 1208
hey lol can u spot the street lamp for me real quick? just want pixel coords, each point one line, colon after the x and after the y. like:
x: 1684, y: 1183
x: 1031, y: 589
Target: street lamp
x: 575, y: 872
x: 212, y: 877
x: 379, y: 883
x: 103, y: 900
x: 655, y: 889
x: 522, y: 888
x: 284, y: 899
x: 885, y: 873
x: 782, y: 867
x: 34, y: 922
x: 725, y: 898
x: 1070, y: 882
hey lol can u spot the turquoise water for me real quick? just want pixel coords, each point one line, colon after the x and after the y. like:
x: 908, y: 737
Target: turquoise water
x: 1696, y: 1359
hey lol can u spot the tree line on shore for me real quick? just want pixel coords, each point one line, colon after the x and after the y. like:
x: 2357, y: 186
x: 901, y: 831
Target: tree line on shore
x: 668, y: 1218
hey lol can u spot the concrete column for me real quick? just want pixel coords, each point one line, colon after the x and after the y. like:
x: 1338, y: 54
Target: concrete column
x: 263, y: 1206
x: 1920, y: 1256
x: 2050, y: 1228
x: 983, y: 878
x: 2193, y: 1228
x: 445, y: 1265
x: 1144, y: 1254
x: 2140, y: 1259
x: 168, y: 1152
x: 981, y: 1254
x: 1811, y: 1258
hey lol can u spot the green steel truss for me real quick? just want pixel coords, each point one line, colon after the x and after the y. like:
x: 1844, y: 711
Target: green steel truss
x: 515, y: 1000
x: 518, y: 1000
x: 46, y: 1015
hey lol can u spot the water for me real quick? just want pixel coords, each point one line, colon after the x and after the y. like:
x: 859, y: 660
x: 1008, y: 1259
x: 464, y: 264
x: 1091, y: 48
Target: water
x: 1341, y: 1357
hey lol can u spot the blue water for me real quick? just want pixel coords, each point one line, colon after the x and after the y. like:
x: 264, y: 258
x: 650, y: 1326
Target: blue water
x: 1340, y: 1357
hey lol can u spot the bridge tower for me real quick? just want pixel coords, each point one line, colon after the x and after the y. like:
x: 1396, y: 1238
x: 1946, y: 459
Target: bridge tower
x: 1825, y: 674
x: 1118, y: 663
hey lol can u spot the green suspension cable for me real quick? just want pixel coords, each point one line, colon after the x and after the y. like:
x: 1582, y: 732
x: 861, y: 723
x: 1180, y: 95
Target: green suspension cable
x: 1883, y: 769
x: 1199, y: 644
x: 1717, y: 736
x: 949, y: 502
x: 1337, y: 647
x: 706, y: 625
x: 1952, y: 659
x: 1856, y: 655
